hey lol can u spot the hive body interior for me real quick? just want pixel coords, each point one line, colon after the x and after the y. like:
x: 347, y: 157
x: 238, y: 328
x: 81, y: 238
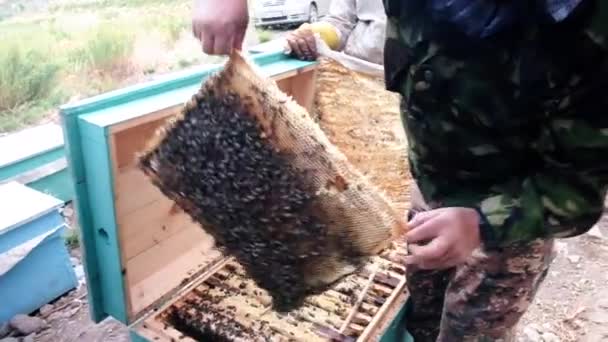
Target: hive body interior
x: 226, y: 305
x: 250, y: 166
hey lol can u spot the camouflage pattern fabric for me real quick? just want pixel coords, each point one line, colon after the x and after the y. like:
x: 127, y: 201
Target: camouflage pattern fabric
x: 514, y: 125
x: 481, y: 300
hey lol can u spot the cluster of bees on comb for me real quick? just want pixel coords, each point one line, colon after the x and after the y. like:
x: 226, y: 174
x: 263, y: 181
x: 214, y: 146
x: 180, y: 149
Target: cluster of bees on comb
x: 216, y: 164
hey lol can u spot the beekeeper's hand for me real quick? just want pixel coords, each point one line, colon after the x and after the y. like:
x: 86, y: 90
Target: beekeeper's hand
x: 442, y: 238
x: 302, y: 44
x: 220, y: 25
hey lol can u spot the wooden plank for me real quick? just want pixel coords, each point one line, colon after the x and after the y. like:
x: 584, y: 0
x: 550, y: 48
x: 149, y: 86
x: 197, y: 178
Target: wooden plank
x: 155, y: 272
x: 355, y: 308
x: 304, y: 74
x: 303, y: 89
x: 301, y: 86
x: 102, y: 229
x: 159, y: 115
x: 374, y: 329
x: 20, y: 204
x: 39, y: 172
x: 150, y: 225
x: 29, y: 143
x: 168, y: 332
x: 292, y: 72
x: 285, y: 85
x: 133, y: 191
x: 180, y: 293
x: 130, y: 142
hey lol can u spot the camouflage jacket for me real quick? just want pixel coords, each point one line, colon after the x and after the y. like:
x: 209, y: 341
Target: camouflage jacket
x: 512, y: 123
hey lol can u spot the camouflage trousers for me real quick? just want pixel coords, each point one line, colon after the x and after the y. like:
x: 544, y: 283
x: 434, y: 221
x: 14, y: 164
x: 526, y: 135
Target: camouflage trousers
x: 481, y: 300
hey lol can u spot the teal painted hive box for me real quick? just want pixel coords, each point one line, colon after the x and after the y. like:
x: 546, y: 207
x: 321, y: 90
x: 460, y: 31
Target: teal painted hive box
x: 143, y: 257
x: 35, y: 266
x: 36, y: 157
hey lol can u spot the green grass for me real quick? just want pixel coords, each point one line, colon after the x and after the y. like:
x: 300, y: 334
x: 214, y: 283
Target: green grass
x: 172, y: 26
x: 27, y: 73
x: 264, y: 36
x: 79, y: 48
x: 72, y: 239
x: 106, y: 47
x: 102, y: 4
x: 31, y: 113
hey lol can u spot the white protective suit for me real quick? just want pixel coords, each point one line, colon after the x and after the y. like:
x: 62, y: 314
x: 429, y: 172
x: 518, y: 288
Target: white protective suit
x: 361, y: 26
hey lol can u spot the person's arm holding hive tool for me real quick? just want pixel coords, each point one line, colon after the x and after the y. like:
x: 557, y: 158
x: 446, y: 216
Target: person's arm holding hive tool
x: 333, y: 30
x: 220, y: 25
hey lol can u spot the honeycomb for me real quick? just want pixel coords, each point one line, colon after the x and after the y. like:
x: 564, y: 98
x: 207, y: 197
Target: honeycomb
x: 257, y: 173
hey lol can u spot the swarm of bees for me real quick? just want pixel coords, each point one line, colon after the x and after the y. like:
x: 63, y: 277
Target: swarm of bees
x: 254, y: 170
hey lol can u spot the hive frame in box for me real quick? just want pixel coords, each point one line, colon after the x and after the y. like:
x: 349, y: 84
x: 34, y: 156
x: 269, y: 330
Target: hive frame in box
x: 131, y: 272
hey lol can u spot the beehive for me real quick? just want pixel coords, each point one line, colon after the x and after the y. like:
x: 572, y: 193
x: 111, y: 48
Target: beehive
x: 258, y: 174
x: 143, y: 256
x: 363, y: 119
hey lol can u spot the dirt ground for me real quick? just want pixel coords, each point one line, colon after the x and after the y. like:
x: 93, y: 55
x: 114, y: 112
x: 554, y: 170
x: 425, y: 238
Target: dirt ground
x: 572, y: 304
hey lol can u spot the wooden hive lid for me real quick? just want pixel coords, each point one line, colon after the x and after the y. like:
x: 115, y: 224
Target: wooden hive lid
x: 20, y: 204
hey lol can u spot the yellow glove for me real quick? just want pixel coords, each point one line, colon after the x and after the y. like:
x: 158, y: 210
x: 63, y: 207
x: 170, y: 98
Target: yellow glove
x: 327, y: 31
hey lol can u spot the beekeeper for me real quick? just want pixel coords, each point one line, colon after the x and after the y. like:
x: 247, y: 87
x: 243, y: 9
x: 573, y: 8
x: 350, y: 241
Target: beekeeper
x: 504, y: 107
x: 356, y: 27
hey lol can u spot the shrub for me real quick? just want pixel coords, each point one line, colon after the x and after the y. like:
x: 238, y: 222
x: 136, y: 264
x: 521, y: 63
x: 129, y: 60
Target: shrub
x: 173, y: 27
x: 26, y: 73
x: 72, y: 240
x: 106, y: 47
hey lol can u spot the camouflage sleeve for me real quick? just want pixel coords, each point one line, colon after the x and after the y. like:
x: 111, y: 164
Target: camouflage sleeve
x: 565, y: 197
x: 516, y: 127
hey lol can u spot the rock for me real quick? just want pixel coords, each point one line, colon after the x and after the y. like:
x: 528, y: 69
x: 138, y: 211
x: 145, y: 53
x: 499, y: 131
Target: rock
x: 561, y: 247
x: 76, y: 253
x: 5, y: 329
x: 72, y: 312
x: 55, y: 316
x: 75, y: 262
x: 550, y: 337
x: 79, y: 270
x: 598, y: 317
x: 596, y: 233
x: 10, y: 339
x: 68, y: 212
x: 575, y: 259
x: 29, y: 338
x: 26, y: 325
x: 46, y: 309
x: 531, y: 334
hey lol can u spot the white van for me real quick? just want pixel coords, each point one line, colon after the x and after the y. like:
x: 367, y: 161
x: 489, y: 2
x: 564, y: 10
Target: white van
x: 288, y: 12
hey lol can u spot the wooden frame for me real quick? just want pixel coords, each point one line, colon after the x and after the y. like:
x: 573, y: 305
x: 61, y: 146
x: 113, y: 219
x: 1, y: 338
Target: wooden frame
x: 154, y: 328
x: 93, y: 129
